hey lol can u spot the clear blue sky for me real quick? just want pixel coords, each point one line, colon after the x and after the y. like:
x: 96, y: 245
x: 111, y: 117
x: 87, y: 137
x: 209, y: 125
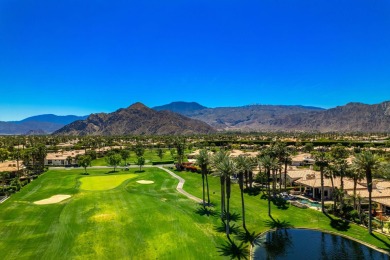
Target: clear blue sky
x: 80, y: 57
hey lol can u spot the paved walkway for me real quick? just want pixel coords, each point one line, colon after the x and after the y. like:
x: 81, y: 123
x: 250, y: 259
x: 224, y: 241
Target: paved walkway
x: 180, y: 185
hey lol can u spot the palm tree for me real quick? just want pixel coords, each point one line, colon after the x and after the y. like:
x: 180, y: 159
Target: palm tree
x: 242, y: 163
x: 216, y: 160
x: 203, y: 161
x: 268, y: 163
x: 226, y: 167
x: 322, y: 162
x: 357, y: 174
x: 368, y: 162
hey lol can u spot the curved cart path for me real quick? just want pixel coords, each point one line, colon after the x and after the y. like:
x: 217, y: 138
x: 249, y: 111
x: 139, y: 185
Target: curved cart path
x: 180, y: 185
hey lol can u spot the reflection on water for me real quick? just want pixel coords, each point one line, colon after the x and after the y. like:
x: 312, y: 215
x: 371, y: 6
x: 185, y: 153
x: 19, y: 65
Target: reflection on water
x: 304, y: 244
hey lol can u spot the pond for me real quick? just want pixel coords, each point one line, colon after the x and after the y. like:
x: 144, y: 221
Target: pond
x: 310, y: 244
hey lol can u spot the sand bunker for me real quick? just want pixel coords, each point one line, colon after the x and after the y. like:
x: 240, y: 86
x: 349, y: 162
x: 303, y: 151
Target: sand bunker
x: 52, y: 199
x: 145, y: 182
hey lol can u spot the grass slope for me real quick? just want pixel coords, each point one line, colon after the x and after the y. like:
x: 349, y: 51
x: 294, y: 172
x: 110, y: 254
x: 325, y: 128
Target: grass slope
x: 129, y: 221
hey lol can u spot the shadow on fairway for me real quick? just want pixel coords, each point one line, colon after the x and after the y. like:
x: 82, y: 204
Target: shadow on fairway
x: 232, y: 216
x: 222, y: 228
x: 338, y: 224
x: 276, y: 223
x: 247, y: 237
x: 234, y: 251
x: 202, y: 211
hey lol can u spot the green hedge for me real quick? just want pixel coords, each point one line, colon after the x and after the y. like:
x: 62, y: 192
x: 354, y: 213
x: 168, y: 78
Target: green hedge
x: 162, y: 162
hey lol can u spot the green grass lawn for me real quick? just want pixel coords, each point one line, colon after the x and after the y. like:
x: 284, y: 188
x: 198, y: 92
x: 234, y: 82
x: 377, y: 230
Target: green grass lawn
x: 126, y: 220
x: 111, y: 216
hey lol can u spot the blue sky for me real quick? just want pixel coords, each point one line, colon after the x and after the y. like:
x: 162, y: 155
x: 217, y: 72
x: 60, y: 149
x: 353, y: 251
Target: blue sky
x: 81, y: 57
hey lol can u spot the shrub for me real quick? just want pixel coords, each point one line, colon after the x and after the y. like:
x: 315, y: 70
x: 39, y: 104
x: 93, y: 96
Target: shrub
x: 162, y: 162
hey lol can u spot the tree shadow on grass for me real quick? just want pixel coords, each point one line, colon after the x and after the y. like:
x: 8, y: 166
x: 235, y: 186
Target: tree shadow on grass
x: 338, y: 224
x: 202, y: 211
x: 139, y: 171
x: 222, y: 228
x: 246, y: 237
x: 383, y: 241
x: 234, y: 251
x: 276, y: 223
x: 264, y: 196
x: 280, y: 203
x: 232, y: 216
x: 254, y: 191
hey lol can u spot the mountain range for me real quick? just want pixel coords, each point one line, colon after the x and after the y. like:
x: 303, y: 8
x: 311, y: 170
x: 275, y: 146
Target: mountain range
x: 41, y: 124
x: 352, y: 117
x: 174, y: 118
x: 137, y: 119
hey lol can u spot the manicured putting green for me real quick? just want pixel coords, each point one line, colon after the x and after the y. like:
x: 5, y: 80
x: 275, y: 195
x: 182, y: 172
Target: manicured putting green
x: 104, y: 182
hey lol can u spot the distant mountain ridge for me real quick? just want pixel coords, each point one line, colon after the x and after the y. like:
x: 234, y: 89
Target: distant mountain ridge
x: 51, y: 118
x: 181, y: 107
x: 137, y: 119
x: 41, y: 124
x: 352, y: 117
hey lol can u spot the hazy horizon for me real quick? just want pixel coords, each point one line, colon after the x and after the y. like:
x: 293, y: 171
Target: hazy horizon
x: 77, y: 58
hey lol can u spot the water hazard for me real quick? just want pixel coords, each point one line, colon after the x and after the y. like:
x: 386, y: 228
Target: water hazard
x: 310, y: 244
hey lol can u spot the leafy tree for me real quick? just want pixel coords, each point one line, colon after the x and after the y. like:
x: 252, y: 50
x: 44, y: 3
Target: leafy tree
x: 125, y: 155
x: 139, y: 149
x: 92, y: 154
x: 114, y: 160
x: 3, y: 154
x: 180, y: 148
x: 140, y: 162
x: 84, y: 161
x: 160, y: 153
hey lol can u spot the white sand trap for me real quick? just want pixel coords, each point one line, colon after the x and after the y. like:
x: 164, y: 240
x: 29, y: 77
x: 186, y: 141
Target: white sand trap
x: 52, y: 199
x: 145, y: 182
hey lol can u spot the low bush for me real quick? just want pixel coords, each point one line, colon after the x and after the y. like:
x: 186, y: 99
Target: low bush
x: 162, y: 162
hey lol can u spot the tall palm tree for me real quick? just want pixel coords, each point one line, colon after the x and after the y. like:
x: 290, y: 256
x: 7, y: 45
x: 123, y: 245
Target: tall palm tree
x: 322, y: 162
x: 203, y: 161
x: 226, y: 167
x: 216, y: 160
x: 368, y: 162
x: 242, y: 164
x: 268, y: 163
x: 357, y: 174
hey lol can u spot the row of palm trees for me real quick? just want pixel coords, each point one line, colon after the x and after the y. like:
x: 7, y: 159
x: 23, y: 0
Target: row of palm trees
x: 272, y: 160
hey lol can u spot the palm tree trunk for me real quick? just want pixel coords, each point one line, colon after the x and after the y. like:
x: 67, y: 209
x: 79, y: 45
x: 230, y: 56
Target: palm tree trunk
x: 222, y: 182
x: 269, y: 192
x: 354, y: 193
x: 208, y: 190
x: 369, y: 213
x: 322, y: 189
x: 285, y: 175
x: 280, y: 179
x: 241, y: 183
x: 204, y: 195
x: 250, y: 179
x: 227, y: 179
